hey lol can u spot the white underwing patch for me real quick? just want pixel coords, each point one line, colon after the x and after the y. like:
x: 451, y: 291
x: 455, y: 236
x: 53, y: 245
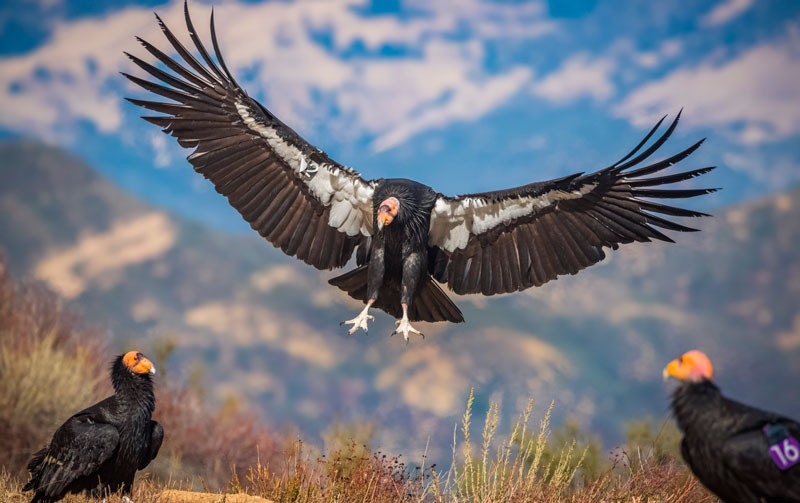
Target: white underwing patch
x: 454, y: 220
x: 349, y: 197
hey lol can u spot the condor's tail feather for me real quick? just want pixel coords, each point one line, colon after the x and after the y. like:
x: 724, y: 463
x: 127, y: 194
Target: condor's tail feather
x: 430, y: 302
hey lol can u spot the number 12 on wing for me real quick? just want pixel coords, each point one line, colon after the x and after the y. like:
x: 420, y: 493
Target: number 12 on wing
x: 785, y: 454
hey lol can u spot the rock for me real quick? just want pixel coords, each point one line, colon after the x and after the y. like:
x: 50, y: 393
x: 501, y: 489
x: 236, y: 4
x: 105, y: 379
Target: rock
x: 176, y: 496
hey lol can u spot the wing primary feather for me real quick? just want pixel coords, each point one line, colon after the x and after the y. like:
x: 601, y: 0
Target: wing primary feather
x: 172, y: 64
x: 668, y: 224
x: 163, y: 76
x: 626, y: 213
x: 186, y: 55
x: 219, y: 53
x: 652, y: 148
x: 641, y: 143
x: 178, y: 110
x: 660, y: 208
x: 670, y: 161
x: 667, y: 179
x: 671, y: 193
x: 669, y: 210
x: 199, y: 45
x: 172, y: 94
x: 624, y: 235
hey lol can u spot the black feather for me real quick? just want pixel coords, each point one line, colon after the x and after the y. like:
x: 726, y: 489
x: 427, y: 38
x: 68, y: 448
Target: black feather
x: 726, y: 448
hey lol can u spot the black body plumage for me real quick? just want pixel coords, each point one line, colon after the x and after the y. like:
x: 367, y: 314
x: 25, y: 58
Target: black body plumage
x: 727, y: 449
x: 100, y: 448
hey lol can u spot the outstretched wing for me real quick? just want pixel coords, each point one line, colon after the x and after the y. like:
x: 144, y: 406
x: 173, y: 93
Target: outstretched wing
x: 292, y: 193
x: 510, y: 240
x: 78, y: 449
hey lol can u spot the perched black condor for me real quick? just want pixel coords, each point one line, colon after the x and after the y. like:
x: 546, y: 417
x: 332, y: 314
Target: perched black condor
x: 407, y: 238
x: 742, y: 454
x: 100, y: 448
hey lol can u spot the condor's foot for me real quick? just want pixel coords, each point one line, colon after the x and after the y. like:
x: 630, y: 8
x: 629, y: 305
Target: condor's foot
x: 359, y: 321
x: 404, y: 327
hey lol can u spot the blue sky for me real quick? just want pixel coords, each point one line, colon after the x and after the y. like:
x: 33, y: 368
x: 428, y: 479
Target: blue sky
x: 465, y: 95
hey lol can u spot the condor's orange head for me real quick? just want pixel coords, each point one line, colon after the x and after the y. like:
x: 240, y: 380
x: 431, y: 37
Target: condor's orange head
x: 137, y: 363
x: 693, y: 366
x: 387, y: 211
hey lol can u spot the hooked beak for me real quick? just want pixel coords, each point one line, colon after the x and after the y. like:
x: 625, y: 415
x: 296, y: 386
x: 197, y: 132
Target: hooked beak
x: 152, y: 371
x: 385, y: 216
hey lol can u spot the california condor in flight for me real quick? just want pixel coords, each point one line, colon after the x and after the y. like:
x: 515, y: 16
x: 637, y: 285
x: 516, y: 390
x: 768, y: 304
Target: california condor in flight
x: 407, y: 237
x: 99, y: 449
x: 742, y: 454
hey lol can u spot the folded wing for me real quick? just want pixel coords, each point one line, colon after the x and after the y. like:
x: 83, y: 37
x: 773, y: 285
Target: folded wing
x: 78, y: 449
x: 510, y: 240
x: 292, y: 193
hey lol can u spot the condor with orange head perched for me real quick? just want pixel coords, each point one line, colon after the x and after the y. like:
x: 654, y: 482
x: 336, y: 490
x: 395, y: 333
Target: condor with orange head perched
x: 99, y: 449
x: 742, y: 454
x: 406, y: 237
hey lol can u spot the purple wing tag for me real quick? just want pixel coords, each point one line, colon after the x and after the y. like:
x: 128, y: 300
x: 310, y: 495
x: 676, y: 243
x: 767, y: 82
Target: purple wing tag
x: 784, y: 449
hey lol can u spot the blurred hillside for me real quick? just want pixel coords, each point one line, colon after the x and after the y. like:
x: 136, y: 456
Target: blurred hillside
x: 261, y: 325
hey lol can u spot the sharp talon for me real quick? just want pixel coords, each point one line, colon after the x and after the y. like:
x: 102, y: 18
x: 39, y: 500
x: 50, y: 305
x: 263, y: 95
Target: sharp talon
x: 359, y: 321
x: 405, y: 328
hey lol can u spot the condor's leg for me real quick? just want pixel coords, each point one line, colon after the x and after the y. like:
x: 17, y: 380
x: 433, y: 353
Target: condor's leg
x: 413, y: 268
x: 374, y: 282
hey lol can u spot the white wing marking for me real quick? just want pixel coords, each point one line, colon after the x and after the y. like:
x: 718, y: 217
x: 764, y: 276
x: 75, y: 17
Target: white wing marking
x: 349, y: 197
x: 454, y: 220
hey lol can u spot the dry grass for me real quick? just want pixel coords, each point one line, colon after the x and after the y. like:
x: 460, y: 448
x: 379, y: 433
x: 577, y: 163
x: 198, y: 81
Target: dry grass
x: 497, y: 470
x: 48, y: 367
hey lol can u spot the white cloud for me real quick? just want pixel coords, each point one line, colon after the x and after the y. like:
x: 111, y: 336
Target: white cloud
x: 754, y: 94
x: 159, y: 143
x: 580, y: 76
x: 776, y: 173
x: 726, y: 11
x: 468, y: 102
x: 651, y: 59
x: 270, y: 47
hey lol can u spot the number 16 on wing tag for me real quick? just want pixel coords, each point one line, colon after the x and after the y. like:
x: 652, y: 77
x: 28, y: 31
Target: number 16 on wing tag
x: 785, y: 453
